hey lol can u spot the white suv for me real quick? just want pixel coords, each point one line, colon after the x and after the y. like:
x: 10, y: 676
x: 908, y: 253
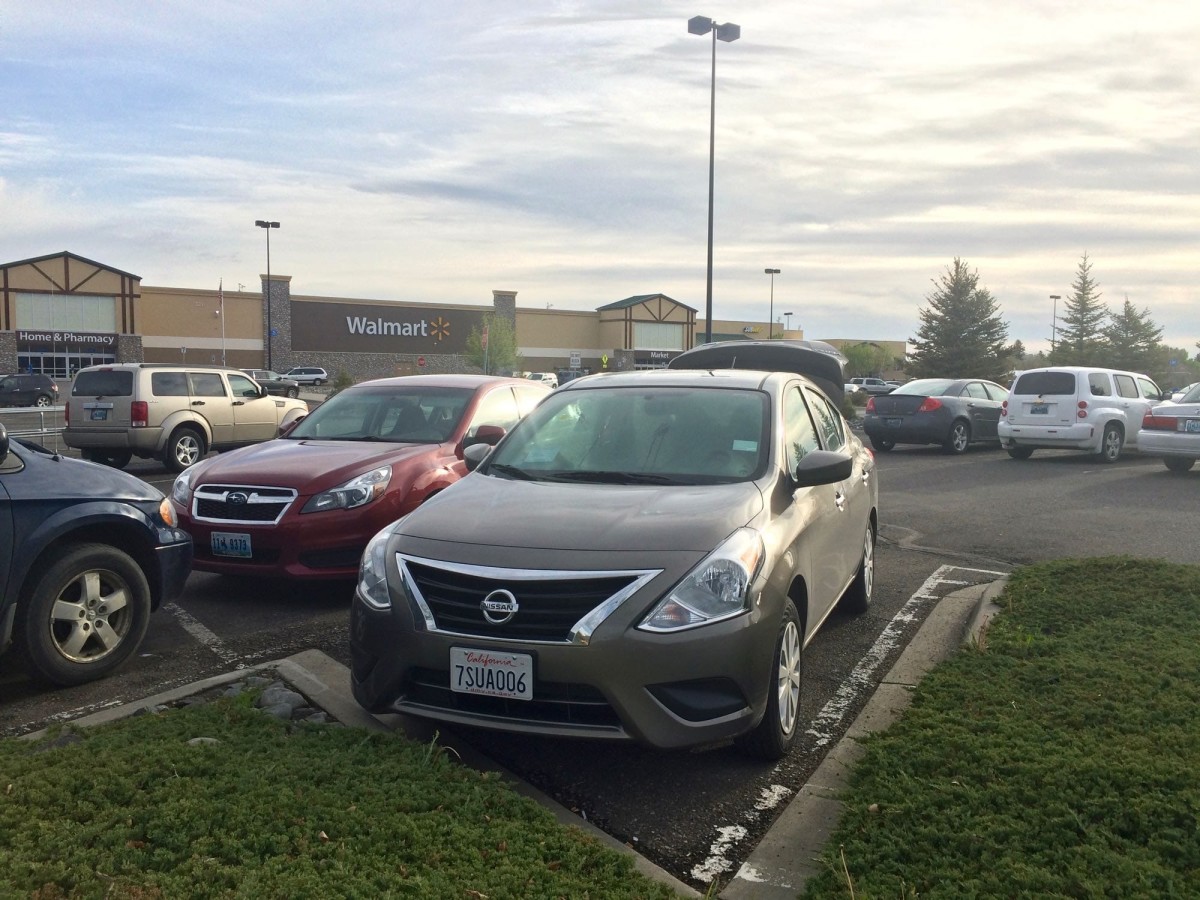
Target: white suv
x: 1075, y: 408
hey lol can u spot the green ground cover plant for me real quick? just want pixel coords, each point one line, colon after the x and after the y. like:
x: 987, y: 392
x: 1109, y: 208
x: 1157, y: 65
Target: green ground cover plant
x: 1059, y: 756
x: 274, y: 809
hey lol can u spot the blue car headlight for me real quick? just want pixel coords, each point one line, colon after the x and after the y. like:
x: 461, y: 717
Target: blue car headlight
x: 718, y: 588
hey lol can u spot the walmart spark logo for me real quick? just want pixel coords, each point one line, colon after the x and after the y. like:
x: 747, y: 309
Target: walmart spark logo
x: 440, y: 329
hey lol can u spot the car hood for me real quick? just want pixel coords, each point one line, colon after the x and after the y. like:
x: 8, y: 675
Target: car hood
x: 486, y: 510
x: 306, y: 465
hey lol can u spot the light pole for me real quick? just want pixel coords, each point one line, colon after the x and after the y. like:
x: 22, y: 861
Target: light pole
x: 771, y: 313
x: 788, y: 316
x: 728, y: 33
x: 263, y: 223
x: 1054, y: 323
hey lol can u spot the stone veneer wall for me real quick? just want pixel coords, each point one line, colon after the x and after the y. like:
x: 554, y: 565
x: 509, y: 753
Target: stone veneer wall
x: 8, y: 351
x: 130, y: 349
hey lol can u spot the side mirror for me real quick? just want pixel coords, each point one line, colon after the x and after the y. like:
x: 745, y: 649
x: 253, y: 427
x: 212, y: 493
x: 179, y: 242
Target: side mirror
x: 488, y: 434
x: 823, y: 467
x: 476, y: 454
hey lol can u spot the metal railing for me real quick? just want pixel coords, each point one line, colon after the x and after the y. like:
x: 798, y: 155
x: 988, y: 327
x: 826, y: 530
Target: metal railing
x: 42, y: 425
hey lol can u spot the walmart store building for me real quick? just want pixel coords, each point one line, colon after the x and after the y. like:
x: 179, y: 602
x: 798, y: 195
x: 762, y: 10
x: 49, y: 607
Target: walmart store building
x: 61, y: 312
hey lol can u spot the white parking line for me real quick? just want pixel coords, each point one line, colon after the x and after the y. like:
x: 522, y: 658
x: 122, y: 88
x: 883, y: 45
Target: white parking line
x: 202, y: 634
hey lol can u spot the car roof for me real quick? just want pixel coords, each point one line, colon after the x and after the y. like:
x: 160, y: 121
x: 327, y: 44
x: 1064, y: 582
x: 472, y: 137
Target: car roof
x: 744, y: 379
x: 440, y: 380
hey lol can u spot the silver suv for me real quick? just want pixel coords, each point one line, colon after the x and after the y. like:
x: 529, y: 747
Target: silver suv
x: 174, y: 413
x: 1075, y: 408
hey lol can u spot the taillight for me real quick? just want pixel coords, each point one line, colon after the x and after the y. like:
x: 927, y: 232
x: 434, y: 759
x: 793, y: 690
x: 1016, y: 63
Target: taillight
x: 139, y: 413
x: 1082, y: 414
x: 67, y: 414
x: 1152, y: 422
x: 871, y: 405
x: 1004, y: 409
x: 929, y: 405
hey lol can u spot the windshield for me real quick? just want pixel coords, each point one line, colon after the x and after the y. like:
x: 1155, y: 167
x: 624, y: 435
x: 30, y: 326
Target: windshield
x: 925, y: 387
x: 640, y: 436
x: 401, y: 414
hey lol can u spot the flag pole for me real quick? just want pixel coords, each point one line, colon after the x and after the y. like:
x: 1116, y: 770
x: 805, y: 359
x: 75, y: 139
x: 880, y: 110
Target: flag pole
x: 221, y: 313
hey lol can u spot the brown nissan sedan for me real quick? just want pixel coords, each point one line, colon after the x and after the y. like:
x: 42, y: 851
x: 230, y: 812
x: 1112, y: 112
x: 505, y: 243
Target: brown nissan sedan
x: 644, y: 557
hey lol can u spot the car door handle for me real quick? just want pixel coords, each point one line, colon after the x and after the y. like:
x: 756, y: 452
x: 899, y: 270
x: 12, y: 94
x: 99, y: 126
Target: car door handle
x: 839, y: 500
x: 239, y: 402
x: 197, y: 403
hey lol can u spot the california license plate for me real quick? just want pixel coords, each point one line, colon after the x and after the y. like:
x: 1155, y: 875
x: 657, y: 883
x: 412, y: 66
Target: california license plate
x: 1039, y: 409
x: 226, y: 543
x: 491, y: 674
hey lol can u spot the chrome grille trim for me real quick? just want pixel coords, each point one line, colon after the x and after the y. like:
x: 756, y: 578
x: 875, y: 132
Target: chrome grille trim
x: 580, y: 633
x: 263, y: 506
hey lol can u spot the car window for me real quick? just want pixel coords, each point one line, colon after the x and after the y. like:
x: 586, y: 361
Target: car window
x: 104, y: 383
x: 799, y: 433
x: 168, y: 384
x: 925, y: 387
x: 1148, y: 389
x: 242, y: 386
x: 995, y: 391
x: 1042, y: 383
x: 974, y: 389
x: 1126, y: 386
x: 527, y: 399
x: 206, y: 384
x: 8, y: 384
x: 829, y: 423
x: 1099, y: 385
x: 497, y: 408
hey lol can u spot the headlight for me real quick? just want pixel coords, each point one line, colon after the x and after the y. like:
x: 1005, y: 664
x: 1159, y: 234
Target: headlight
x: 372, y: 570
x: 181, y: 490
x: 718, y: 588
x: 166, y: 512
x: 354, y: 493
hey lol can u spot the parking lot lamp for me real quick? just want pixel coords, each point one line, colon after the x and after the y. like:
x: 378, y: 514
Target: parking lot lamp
x: 263, y: 223
x: 1054, y: 322
x: 788, y: 316
x: 771, y: 311
x: 728, y: 33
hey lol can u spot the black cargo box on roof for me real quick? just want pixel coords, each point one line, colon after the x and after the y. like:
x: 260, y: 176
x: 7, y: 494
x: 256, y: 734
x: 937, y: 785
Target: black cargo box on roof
x: 817, y: 360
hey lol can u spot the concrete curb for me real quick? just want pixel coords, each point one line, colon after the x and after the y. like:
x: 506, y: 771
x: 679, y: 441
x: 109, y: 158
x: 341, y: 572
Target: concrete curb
x: 789, y: 854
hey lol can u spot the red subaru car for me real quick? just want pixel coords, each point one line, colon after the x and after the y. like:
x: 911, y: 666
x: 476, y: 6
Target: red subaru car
x: 305, y: 504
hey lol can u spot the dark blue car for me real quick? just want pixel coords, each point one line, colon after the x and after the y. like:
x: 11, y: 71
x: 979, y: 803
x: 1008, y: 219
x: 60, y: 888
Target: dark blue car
x: 87, y: 552
x: 953, y: 412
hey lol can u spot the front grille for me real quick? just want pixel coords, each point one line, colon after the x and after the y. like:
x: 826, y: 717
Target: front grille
x: 554, y: 703
x: 552, y: 606
x: 241, y: 503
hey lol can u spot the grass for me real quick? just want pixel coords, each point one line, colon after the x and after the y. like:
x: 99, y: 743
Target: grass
x: 272, y: 809
x: 1059, y: 756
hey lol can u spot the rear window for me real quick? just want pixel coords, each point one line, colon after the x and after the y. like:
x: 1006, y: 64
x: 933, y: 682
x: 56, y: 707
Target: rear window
x: 1054, y: 383
x: 103, y: 383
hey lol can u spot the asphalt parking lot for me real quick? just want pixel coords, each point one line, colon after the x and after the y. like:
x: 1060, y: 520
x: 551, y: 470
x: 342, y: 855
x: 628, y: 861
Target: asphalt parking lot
x: 947, y: 521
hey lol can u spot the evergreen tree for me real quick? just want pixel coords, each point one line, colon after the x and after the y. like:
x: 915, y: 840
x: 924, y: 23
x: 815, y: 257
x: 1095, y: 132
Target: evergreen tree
x: 501, y: 354
x: 1080, y: 339
x: 1134, y: 342
x: 961, y: 333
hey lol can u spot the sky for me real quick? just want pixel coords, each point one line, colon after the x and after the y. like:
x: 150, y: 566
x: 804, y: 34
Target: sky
x: 435, y: 151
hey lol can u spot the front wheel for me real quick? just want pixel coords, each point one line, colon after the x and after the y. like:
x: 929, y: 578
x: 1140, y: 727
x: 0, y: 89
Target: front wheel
x: 86, y: 615
x: 1111, y: 443
x: 959, y: 437
x: 184, y: 448
x: 775, y: 734
x: 1178, y: 465
x: 882, y: 444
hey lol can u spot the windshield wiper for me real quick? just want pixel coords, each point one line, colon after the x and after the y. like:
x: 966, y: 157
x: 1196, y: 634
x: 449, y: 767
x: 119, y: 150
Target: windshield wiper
x: 512, y: 472
x: 615, y: 477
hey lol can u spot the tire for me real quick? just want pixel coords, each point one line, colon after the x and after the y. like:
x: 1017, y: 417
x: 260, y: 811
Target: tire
x: 86, y: 614
x: 1178, y: 464
x: 1111, y: 443
x: 184, y: 448
x: 293, y: 392
x: 318, y: 381
x: 771, y: 738
x: 45, y: 401
x: 959, y: 438
x: 857, y: 599
x: 882, y: 444
x: 1020, y: 452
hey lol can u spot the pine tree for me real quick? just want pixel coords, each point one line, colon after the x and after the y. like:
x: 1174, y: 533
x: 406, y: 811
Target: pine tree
x: 1134, y: 342
x: 961, y: 333
x: 1080, y: 340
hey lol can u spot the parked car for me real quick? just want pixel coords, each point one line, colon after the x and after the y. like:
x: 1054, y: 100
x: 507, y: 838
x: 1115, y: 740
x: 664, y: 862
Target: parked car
x: 544, y: 377
x: 275, y: 383
x: 1172, y: 430
x: 28, y: 390
x: 1075, y: 408
x: 953, y: 412
x: 1179, y: 394
x: 307, y: 375
x: 874, y: 386
x: 86, y: 554
x: 644, y: 558
x: 173, y: 413
x: 305, y: 505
